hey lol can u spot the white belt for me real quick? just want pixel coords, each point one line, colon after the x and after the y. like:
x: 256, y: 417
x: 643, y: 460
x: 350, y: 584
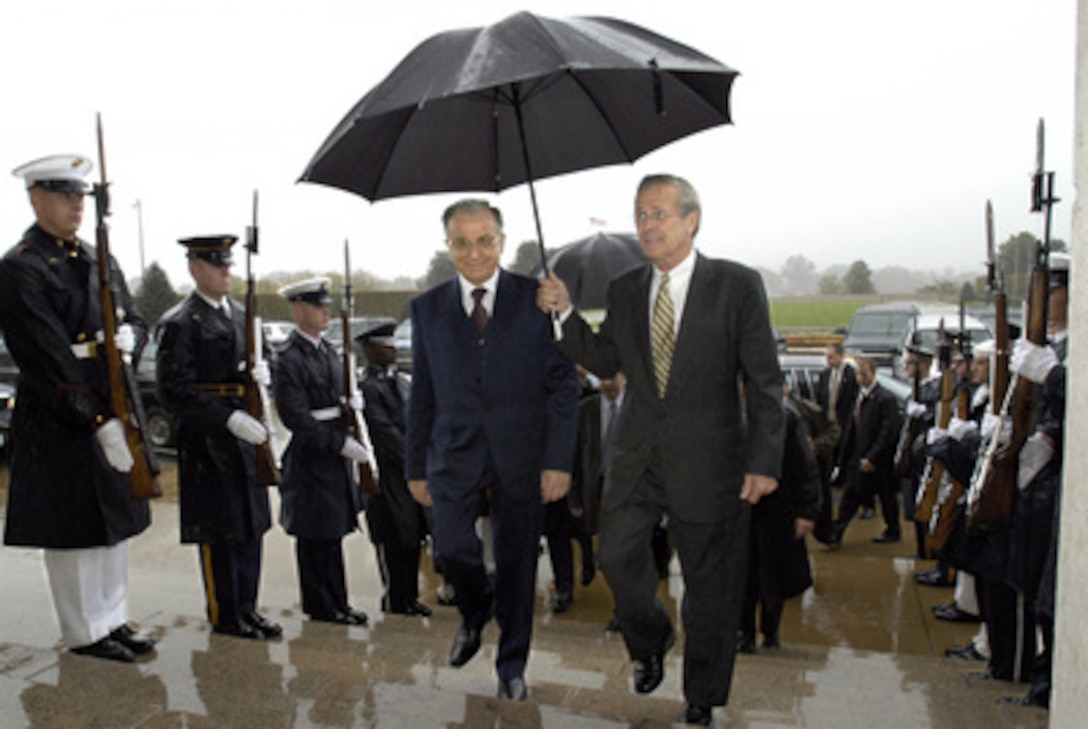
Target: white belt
x: 329, y: 413
x: 85, y: 350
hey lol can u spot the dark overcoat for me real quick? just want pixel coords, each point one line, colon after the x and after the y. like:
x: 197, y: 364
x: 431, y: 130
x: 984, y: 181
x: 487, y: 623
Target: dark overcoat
x: 63, y: 493
x: 782, y: 558
x: 199, y: 346
x: 393, y: 516
x: 319, y: 496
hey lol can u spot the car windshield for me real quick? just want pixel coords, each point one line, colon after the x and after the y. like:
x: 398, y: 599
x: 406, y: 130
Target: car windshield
x: 879, y: 323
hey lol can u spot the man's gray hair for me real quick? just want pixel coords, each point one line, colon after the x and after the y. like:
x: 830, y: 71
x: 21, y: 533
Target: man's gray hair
x: 471, y: 205
x: 688, y: 199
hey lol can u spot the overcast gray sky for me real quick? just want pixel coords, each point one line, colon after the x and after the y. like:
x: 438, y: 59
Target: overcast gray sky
x: 862, y: 129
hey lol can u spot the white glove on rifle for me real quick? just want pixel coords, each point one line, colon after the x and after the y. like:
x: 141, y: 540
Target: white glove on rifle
x: 935, y: 434
x: 915, y: 409
x: 355, y: 450
x: 993, y: 426
x: 111, y: 438
x: 1031, y: 361
x: 958, y: 429
x: 261, y: 374
x: 244, y: 426
x: 356, y: 401
x: 125, y: 339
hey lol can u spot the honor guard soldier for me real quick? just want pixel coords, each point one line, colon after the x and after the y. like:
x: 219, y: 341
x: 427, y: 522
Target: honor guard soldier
x: 69, y: 491
x: 395, y: 519
x: 202, y: 379
x: 320, y: 499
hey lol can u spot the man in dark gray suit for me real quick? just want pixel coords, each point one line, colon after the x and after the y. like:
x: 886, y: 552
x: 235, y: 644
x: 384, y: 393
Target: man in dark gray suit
x: 699, y: 438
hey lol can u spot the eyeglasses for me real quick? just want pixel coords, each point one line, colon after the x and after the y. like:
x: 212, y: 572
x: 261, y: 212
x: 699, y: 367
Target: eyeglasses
x: 483, y: 244
x: 655, y: 215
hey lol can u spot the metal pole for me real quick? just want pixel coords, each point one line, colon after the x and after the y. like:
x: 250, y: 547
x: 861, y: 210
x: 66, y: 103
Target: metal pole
x: 140, y: 233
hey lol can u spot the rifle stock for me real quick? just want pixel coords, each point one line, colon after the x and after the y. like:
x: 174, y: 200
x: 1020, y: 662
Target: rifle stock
x: 257, y: 400
x: 124, y: 397
x: 951, y: 503
x: 366, y: 473
x: 909, y: 432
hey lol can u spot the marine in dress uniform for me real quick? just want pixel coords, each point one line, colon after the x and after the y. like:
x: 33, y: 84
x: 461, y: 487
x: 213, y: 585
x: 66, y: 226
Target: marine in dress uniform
x: 69, y: 493
x: 320, y: 501
x: 201, y: 377
x: 395, y: 519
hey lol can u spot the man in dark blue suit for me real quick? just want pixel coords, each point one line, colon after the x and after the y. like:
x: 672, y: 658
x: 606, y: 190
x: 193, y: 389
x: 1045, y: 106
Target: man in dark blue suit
x: 492, y: 416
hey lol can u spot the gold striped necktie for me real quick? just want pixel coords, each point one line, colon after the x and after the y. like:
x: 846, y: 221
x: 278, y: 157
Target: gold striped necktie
x: 662, y: 338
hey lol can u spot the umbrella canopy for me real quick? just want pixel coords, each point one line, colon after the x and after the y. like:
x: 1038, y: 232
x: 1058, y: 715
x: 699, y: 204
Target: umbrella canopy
x: 529, y: 97
x: 587, y: 265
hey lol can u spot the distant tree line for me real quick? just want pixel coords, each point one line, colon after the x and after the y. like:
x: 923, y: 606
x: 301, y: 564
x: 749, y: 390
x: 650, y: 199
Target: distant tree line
x: 798, y: 276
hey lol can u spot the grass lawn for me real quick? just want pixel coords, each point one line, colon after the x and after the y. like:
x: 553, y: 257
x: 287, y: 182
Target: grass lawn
x: 815, y: 312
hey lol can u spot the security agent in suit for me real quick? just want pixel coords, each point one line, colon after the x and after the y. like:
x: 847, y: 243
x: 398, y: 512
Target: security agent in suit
x: 493, y: 415
x: 689, y: 445
x: 395, y: 520
x: 320, y: 501
x: 867, y: 454
x: 69, y: 493
x: 837, y: 388
x: 201, y: 377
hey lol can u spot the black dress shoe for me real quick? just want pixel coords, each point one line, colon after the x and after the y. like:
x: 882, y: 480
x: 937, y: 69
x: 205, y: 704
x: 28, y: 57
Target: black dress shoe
x: 416, y: 608
x: 886, y: 538
x: 1031, y: 699
x: 267, y: 628
x: 935, y: 577
x: 238, y: 630
x: 513, y: 689
x: 771, y: 641
x: 613, y: 625
x: 354, y: 617
x: 695, y: 714
x: 745, y: 644
x: 868, y: 513
x: 138, y: 643
x: 589, y: 571
x: 108, y: 648
x: 562, y: 602
x: 966, y: 652
x: 650, y: 671
x: 952, y: 613
x: 465, y: 645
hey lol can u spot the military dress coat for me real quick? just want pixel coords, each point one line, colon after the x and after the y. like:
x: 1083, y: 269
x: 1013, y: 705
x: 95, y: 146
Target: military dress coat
x: 63, y: 493
x: 393, y: 516
x: 199, y: 350
x: 319, y: 496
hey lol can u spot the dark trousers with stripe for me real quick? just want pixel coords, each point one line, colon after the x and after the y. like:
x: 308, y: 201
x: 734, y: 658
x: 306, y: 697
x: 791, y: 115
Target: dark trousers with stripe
x: 232, y: 573
x: 321, y: 577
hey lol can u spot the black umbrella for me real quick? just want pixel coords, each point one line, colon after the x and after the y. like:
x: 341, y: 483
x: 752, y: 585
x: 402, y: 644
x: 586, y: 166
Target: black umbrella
x: 587, y: 265
x: 523, y: 99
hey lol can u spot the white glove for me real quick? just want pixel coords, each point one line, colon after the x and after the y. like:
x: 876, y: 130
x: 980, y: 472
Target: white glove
x: 261, y: 374
x: 356, y: 401
x: 958, y: 429
x: 935, y: 434
x: 915, y: 409
x: 355, y: 450
x: 245, y: 427
x: 1031, y: 361
x: 125, y: 339
x: 990, y: 424
x: 111, y: 438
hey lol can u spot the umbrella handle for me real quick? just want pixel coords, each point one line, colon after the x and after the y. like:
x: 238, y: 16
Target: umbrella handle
x: 557, y: 328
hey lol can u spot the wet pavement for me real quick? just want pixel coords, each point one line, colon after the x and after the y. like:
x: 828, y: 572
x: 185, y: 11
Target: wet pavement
x: 860, y: 649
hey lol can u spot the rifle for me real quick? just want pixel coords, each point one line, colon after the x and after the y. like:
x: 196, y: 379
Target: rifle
x: 267, y: 473
x: 928, y: 490
x: 909, y: 432
x: 365, y: 473
x: 946, y: 514
x: 125, y: 399
x: 993, y: 507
